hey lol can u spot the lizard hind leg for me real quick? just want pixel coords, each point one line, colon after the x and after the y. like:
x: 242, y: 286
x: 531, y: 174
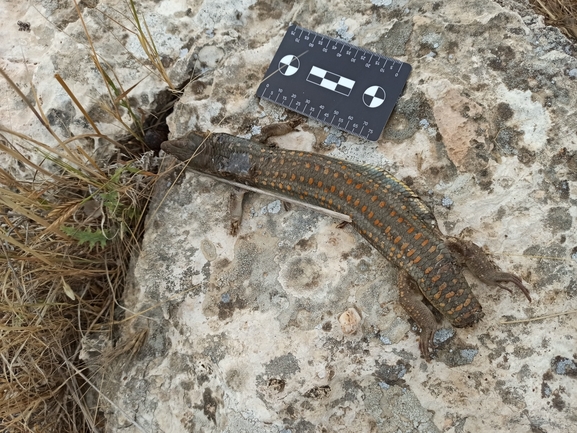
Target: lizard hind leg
x: 482, y: 267
x: 411, y: 299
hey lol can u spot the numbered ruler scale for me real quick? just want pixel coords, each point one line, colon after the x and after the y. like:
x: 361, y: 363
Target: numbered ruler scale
x: 336, y: 83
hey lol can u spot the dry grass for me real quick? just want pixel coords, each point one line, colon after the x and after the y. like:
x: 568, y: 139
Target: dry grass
x: 559, y: 13
x: 65, y: 242
x: 66, y: 236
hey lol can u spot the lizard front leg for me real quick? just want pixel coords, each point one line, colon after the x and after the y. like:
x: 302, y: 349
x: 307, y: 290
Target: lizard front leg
x: 482, y: 266
x: 411, y: 299
x: 235, y: 208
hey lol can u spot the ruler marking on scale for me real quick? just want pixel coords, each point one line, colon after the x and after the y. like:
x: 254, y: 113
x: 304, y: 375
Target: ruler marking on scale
x: 347, y: 87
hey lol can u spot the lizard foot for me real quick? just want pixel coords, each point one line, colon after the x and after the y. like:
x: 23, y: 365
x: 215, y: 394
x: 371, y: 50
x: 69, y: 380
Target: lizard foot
x: 426, y: 343
x: 481, y: 265
x: 496, y: 278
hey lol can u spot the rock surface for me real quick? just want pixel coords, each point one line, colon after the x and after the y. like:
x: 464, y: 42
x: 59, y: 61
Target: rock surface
x: 293, y: 325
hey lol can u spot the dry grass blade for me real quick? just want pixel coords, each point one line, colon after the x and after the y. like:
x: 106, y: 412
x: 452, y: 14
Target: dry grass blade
x: 534, y: 319
x: 559, y: 13
x: 76, y: 101
x: 39, y: 116
x: 147, y: 43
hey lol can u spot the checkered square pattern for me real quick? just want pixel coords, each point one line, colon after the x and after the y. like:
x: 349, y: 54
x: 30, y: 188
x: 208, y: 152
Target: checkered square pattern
x: 329, y: 80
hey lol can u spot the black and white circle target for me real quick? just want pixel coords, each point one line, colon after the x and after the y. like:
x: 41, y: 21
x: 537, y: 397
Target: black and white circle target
x: 289, y: 65
x: 374, y: 96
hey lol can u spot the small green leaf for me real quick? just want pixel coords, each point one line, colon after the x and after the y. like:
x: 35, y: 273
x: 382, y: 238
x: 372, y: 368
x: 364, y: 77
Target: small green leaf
x: 82, y: 236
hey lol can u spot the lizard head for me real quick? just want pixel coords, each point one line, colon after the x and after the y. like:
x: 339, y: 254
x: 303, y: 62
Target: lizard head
x: 192, y: 149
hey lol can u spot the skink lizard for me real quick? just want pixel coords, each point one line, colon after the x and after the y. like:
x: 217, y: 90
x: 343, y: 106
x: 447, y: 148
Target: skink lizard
x: 385, y: 211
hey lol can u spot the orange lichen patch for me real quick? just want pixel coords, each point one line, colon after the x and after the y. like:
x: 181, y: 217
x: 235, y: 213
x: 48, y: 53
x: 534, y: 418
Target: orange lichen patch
x: 333, y: 188
x: 397, y: 240
x: 320, y: 184
x: 349, y: 198
x: 358, y: 185
x: 411, y: 252
x: 417, y: 259
x: 364, y: 209
x: 418, y: 236
x: 349, y: 181
x: 411, y: 230
x: 370, y: 215
x: 400, y: 220
x: 311, y: 181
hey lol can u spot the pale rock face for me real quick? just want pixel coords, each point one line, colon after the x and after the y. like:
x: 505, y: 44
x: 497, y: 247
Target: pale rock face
x: 293, y: 325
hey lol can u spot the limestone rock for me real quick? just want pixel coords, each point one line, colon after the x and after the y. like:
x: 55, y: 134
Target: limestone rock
x: 244, y: 332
